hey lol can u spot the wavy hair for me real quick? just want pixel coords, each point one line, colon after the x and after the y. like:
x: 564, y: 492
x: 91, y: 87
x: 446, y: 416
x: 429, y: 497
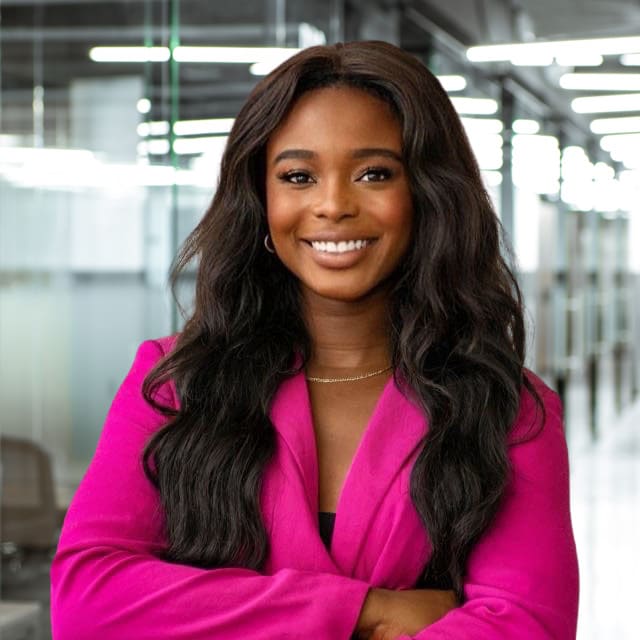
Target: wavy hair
x: 457, y: 320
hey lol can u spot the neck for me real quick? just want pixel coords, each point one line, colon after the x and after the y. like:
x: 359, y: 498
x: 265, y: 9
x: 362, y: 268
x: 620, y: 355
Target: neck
x: 347, y: 337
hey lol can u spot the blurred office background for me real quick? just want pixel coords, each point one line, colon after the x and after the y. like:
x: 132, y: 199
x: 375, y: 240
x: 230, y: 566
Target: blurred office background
x: 113, y: 118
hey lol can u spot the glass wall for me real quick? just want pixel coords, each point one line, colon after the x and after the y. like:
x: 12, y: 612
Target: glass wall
x: 109, y: 155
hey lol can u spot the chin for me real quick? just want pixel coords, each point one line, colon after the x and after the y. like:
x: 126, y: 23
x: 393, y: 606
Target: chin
x: 343, y: 293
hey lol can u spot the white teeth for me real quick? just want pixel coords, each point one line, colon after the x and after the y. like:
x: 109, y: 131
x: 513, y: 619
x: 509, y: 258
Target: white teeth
x: 340, y: 247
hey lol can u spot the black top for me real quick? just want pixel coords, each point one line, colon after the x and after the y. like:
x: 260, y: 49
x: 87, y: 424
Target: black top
x: 326, y: 521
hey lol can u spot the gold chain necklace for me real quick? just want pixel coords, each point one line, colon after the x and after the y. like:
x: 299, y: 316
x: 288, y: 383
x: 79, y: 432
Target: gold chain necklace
x: 350, y: 378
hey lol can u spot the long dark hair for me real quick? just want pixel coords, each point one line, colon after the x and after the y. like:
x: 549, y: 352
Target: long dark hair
x: 457, y: 319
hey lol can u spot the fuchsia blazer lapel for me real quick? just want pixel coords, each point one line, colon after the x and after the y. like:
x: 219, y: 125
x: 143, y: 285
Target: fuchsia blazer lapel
x: 378, y: 536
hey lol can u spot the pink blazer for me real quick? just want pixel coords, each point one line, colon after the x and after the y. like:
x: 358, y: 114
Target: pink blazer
x: 108, y: 584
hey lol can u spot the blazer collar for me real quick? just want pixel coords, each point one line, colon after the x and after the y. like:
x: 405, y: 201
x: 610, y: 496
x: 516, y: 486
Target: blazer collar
x: 395, y: 429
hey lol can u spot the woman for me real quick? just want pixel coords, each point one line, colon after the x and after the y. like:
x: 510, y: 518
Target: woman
x: 356, y: 350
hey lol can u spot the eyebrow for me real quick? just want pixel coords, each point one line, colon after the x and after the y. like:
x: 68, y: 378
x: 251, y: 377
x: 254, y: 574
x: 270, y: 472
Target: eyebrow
x: 366, y: 152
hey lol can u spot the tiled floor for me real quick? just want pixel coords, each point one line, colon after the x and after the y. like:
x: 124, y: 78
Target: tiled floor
x: 606, y: 517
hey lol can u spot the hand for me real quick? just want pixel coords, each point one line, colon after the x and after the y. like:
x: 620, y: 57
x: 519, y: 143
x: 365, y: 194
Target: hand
x: 388, y: 614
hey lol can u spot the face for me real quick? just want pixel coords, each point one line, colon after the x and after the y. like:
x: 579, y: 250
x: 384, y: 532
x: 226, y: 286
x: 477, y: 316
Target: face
x: 339, y: 207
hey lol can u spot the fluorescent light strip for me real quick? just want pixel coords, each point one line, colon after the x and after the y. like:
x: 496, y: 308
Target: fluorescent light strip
x: 191, y: 146
x: 158, y: 147
x: 129, y: 54
x: 157, y: 128
x: 262, y: 68
x: 201, y: 127
x: 186, y: 127
x: 591, y: 46
x: 525, y: 127
x: 604, y: 104
x: 549, y: 143
x: 240, y: 55
x: 532, y: 59
x: 580, y: 59
x: 621, y: 142
x: 453, y: 83
x: 482, y: 125
x: 601, y: 81
x: 246, y: 55
x: 616, y: 125
x: 630, y: 59
x: 475, y: 106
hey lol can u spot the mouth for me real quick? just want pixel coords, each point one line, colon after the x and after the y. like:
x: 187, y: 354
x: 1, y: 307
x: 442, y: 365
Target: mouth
x: 341, y: 246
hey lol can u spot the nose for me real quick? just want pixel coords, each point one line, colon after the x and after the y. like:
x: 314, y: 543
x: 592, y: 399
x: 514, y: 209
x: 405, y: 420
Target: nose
x: 336, y: 200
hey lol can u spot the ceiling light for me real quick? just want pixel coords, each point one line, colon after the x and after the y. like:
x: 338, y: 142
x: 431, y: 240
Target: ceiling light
x: 536, y: 163
x: 246, y: 55
x: 621, y: 142
x: 601, y: 81
x: 129, y: 54
x: 453, y: 83
x: 602, y: 46
x: 603, y: 104
x: 240, y: 55
x: 201, y: 127
x: 475, y: 106
x: 190, y: 146
x: 262, y: 68
x: 482, y: 125
x: 158, y: 147
x: 625, y: 154
x: 630, y: 59
x: 488, y: 159
x: 143, y: 105
x: 616, y: 125
x: 532, y: 59
x: 526, y: 126
x: 158, y: 128
x: 492, y: 178
x: 580, y: 59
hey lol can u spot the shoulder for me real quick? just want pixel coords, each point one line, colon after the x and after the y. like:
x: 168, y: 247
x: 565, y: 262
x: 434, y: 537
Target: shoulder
x: 150, y: 352
x: 548, y: 397
x: 538, y: 430
x: 540, y: 409
x: 148, y: 356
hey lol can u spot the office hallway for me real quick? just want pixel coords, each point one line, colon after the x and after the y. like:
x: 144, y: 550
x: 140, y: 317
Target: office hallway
x: 605, y: 503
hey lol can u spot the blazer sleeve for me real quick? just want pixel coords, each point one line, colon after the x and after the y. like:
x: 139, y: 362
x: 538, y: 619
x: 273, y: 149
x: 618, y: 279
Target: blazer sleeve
x: 522, y: 578
x: 107, y: 582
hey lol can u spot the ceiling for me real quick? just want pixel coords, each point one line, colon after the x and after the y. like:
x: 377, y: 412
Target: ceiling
x: 46, y: 43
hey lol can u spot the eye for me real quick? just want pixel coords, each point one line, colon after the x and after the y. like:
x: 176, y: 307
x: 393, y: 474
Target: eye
x: 295, y: 177
x: 376, y: 174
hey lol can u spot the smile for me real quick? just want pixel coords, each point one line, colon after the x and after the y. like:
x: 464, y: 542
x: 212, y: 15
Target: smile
x: 339, y: 247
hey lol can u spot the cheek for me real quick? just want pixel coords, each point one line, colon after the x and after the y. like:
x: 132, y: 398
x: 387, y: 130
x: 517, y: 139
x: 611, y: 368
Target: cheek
x: 398, y: 214
x: 276, y: 212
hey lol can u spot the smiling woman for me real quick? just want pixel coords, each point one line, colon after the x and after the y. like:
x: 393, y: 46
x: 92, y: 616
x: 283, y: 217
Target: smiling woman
x: 343, y: 440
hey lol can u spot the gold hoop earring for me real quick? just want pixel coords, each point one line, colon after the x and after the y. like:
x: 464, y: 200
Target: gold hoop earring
x: 267, y: 246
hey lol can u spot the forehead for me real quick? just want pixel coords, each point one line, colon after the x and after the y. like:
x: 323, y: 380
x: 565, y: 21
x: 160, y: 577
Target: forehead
x: 336, y: 117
